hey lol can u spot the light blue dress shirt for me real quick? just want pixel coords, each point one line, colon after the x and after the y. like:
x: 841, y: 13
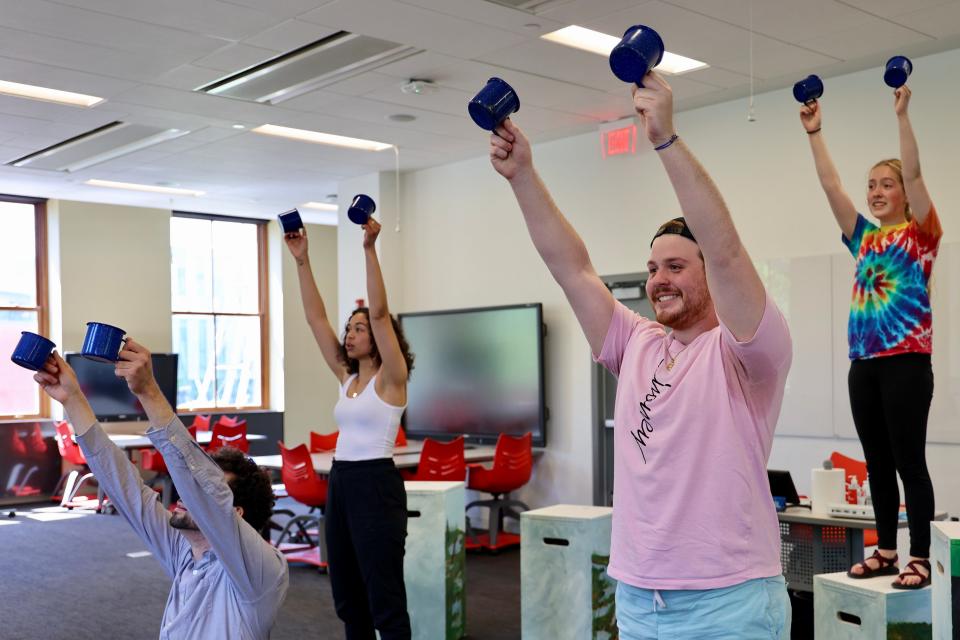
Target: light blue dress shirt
x: 236, y: 589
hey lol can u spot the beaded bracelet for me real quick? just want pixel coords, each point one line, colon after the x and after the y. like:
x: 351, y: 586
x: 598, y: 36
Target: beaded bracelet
x: 817, y: 130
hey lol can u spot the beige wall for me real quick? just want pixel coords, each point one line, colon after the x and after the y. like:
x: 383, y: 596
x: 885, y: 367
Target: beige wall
x: 310, y: 389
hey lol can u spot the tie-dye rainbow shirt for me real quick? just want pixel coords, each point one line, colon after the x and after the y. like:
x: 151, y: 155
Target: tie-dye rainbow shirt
x: 890, y: 312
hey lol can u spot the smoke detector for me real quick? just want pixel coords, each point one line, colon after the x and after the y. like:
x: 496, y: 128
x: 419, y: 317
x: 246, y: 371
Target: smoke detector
x: 418, y: 87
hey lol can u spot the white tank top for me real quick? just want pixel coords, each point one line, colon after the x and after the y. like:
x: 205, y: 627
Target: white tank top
x: 368, y: 425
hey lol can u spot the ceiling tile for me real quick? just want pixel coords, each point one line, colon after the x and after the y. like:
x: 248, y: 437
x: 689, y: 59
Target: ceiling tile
x: 895, y: 8
x: 939, y: 21
x: 861, y: 42
x: 235, y: 57
x: 289, y: 35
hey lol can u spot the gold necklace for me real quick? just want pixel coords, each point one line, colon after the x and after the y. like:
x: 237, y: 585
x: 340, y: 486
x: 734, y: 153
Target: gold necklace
x: 673, y: 359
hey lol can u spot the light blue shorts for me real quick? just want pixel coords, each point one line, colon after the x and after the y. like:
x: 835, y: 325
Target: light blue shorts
x: 752, y: 610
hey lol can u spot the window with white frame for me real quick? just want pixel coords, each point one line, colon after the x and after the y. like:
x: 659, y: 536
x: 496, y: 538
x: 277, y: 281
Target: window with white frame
x: 219, y: 311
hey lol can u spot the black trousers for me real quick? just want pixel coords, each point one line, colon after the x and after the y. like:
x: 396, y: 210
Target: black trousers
x: 890, y: 398
x: 366, y: 529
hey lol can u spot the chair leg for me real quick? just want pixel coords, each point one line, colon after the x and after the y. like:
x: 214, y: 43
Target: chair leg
x: 68, y: 487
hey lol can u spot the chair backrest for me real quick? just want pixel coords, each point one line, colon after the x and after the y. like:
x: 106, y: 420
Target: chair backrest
x: 442, y: 461
x: 230, y: 436
x: 201, y: 422
x: 299, y: 478
x: 229, y: 421
x: 69, y: 450
x: 320, y: 442
x: 401, y: 440
x: 513, y: 459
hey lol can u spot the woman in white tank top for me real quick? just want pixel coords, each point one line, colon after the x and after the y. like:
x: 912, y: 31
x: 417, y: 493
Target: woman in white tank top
x: 365, y: 519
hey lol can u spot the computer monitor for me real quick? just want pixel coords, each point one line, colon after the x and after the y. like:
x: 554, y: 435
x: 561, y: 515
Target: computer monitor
x: 781, y: 484
x: 109, y: 396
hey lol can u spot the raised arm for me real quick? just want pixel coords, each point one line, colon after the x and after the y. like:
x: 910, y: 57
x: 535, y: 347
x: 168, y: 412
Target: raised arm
x: 392, y: 381
x: 734, y: 284
x: 254, y: 567
x: 840, y: 203
x: 555, y: 239
x: 313, y: 306
x: 913, y: 184
x: 119, y: 479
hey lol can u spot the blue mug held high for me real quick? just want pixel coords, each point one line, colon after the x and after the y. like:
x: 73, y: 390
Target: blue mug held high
x: 493, y: 104
x: 361, y: 208
x: 102, y: 342
x: 808, y: 89
x: 290, y: 221
x: 897, y: 71
x: 640, y: 50
x: 32, y: 350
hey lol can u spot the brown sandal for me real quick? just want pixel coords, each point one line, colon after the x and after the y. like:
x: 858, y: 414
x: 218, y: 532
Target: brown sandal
x: 912, y: 570
x: 885, y: 567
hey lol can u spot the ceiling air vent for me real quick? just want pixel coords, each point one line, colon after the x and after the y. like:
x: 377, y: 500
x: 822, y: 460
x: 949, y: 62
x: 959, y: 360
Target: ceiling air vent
x: 531, y: 6
x: 315, y: 65
x: 95, y: 146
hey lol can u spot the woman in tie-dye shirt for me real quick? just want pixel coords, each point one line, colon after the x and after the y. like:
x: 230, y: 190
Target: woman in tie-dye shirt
x: 890, y: 335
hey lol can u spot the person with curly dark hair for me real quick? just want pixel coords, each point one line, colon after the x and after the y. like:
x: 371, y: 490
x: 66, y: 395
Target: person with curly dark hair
x: 228, y: 582
x: 366, y: 513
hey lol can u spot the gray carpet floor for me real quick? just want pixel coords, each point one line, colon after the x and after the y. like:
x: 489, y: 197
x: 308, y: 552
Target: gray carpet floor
x: 71, y: 579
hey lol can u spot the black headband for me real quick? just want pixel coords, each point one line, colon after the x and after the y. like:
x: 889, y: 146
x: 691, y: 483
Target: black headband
x: 677, y: 226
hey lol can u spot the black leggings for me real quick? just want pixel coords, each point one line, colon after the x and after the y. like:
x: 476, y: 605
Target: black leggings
x: 366, y: 528
x: 890, y: 398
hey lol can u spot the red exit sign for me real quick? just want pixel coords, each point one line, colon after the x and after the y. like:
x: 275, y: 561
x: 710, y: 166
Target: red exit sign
x: 619, y: 141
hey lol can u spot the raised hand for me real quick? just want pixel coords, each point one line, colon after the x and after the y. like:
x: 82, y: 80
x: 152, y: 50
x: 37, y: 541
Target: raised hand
x: 810, y: 116
x: 371, y: 229
x: 297, y: 243
x: 136, y: 368
x: 654, y: 105
x: 58, y: 380
x: 510, y: 151
x: 901, y: 100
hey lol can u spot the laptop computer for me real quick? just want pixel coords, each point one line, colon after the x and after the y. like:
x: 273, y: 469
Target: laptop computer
x: 781, y: 484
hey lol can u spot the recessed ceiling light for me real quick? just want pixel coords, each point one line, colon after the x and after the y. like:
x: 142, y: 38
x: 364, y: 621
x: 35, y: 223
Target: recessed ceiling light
x: 143, y: 187
x: 322, y: 206
x: 401, y: 117
x: 317, y: 137
x: 48, y: 95
x: 239, y: 126
x: 602, y: 43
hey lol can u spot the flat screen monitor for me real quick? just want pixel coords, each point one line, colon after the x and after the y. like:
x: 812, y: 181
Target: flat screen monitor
x: 109, y: 396
x: 781, y: 484
x: 478, y: 372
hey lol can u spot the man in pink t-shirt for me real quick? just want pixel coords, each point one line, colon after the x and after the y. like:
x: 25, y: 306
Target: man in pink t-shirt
x: 695, y: 544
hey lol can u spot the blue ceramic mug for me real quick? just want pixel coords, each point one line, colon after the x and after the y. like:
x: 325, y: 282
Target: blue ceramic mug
x: 290, y: 221
x: 808, y: 90
x: 898, y: 70
x: 32, y: 351
x: 640, y: 50
x: 102, y: 342
x: 494, y: 104
x: 361, y: 208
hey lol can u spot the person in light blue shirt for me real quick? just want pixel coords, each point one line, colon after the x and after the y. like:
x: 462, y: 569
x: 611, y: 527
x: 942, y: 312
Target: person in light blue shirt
x: 228, y: 582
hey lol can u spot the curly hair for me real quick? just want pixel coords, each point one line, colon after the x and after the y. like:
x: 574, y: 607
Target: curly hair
x: 353, y: 365
x: 251, y: 486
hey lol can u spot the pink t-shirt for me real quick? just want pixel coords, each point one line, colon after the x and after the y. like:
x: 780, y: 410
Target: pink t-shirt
x: 692, y: 505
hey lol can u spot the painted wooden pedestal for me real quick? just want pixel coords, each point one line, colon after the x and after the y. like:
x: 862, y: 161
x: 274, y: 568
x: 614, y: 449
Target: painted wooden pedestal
x: 435, y: 561
x: 848, y: 609
x: 945, y: 571
x: 565, y: 590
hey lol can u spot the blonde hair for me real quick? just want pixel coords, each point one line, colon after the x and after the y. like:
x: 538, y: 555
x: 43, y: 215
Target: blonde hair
x: 897, y: 167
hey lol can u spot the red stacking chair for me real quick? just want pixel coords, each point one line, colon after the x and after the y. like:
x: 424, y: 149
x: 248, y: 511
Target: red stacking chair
x: 227, y: 421
x: 512, y: 464
x: 853, y: 467
x: 201, y: 422
x: 151, y: 460
x: 401, y: 440
x: 320, y: 442
x: 24, y: 452
x: 442, y: 461
x: 229, y: 436
x: 301, y: 539
x: 70, y: 451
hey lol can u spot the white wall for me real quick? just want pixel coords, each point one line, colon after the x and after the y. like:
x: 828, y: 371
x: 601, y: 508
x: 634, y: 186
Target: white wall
x: 310, y: 389
x: 464, y: 243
